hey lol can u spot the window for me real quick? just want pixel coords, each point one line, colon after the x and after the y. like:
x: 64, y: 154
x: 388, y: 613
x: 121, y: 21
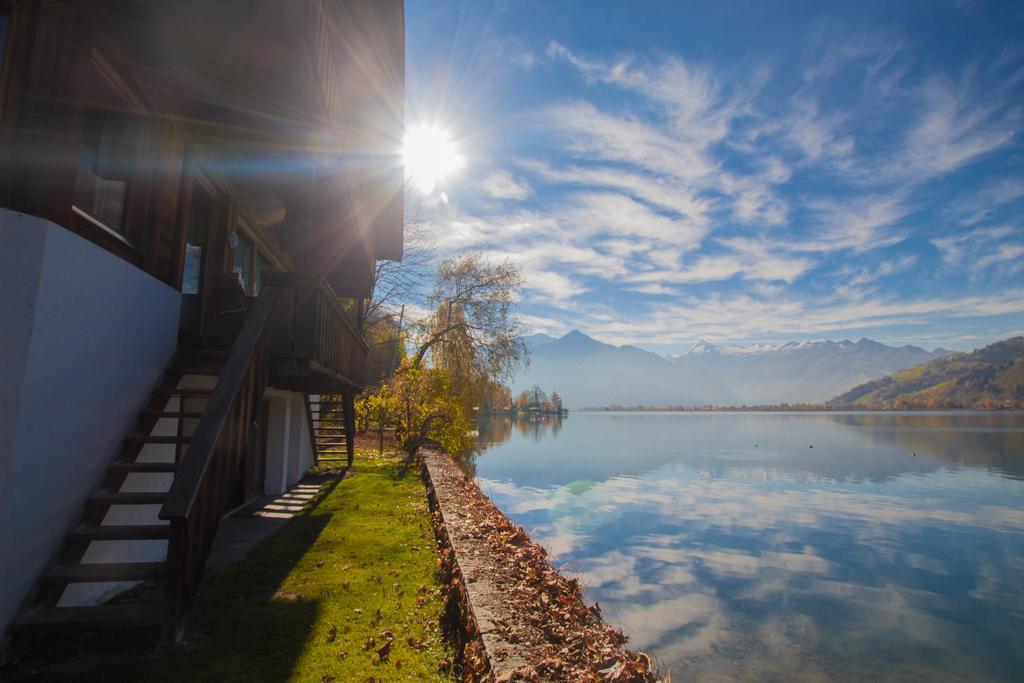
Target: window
x: 249, y: 262
x: 262, y: 265
x: 106, y: 159
x: 5, y: 29
x: 243, y: 262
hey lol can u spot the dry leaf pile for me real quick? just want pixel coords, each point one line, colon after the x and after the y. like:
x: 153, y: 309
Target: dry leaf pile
x: 535, y: 622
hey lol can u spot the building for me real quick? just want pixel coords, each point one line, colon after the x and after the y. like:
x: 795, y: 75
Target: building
x: 186, y: 189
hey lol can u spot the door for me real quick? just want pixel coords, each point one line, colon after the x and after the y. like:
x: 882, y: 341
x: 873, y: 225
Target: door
x: 257, y: 477
x: 201, y: 223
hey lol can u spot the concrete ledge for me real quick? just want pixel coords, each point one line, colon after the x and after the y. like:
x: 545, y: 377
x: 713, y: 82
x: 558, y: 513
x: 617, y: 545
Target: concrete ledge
x: 521, y: 620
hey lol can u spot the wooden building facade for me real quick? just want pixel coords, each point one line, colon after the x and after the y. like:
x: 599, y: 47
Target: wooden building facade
x: 187, y: 188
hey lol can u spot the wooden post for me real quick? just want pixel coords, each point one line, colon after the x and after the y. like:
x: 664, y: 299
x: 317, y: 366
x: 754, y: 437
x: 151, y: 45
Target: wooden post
x: 177, y: 601
x: 349, y: 410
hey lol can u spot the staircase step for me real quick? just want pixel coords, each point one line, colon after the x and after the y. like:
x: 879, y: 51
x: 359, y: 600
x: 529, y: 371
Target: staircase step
x: 319, y: 452
x: 149, y: 438
x: 170, y: 413
x: 112, y: 571
x: 120, y: 466
x: 183, y: 392
x: 128, y: 497
x: 118, y: 532
x: 207, y: 369
x: 332, y: 459
x: 93, y: 617
x: 200, y: 353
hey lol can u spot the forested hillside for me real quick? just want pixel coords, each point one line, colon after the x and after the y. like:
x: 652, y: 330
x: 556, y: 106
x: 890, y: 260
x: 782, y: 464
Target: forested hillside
x: 987, y: 378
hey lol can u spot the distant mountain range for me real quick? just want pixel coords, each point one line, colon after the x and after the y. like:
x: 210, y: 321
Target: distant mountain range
x: 991, y: 377
x: 586, y: 372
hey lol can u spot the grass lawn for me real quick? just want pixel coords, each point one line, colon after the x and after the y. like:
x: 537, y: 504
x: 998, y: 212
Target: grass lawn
x: 319, y: 599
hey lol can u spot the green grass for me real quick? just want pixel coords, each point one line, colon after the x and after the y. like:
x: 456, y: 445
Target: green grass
x: 361, y: 562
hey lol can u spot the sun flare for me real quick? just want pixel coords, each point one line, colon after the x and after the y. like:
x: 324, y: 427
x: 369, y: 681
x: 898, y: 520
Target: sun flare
x: 430, y: 157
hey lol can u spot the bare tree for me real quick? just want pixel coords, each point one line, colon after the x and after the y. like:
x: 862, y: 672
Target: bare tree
x: 380, y: 318
x: 472, y: 325
x: 396, y: 283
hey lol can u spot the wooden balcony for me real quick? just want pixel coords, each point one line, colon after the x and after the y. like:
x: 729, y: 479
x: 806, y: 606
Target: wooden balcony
x: 314, y: 346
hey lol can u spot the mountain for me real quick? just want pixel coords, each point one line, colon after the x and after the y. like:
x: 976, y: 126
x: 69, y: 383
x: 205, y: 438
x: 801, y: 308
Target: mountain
x: 535, y: 341
x: 587, y: 372
x: 991, y: 377
x: 800, y: 372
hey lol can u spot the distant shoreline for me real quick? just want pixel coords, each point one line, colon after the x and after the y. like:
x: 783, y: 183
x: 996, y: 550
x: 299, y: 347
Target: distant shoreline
x: 799, y: 409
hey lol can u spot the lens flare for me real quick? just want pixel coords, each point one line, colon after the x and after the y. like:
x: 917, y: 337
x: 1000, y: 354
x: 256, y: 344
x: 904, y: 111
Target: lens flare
x: 430, y: 157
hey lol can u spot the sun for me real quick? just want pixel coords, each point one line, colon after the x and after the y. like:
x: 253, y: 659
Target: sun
x: 430, y: 157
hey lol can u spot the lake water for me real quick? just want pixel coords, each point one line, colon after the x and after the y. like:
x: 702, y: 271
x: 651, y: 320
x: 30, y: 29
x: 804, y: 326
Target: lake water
x: 729, y: 548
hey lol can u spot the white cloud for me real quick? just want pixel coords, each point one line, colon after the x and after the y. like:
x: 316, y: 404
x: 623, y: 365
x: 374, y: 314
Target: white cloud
x: 953, y: 128
x: 616, y: 215
x: 742, y: 316
x: 747, y: 205
x: 503, y: 185
x: 975, y: 207
x: 1012, y: 253
x: 660, y: 191
x: 975, y: 244
x: 861, y: 224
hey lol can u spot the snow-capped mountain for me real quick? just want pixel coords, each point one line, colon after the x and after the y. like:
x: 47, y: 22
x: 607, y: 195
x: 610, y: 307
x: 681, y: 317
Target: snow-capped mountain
x: 800, y: 371
x: 586, y: 372
x: 707, y: 347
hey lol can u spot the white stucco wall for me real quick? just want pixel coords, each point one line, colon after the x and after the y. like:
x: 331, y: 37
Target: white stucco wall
x: 84, y: 337
x: 300, y: 452
x: 289, y: 451
x: 279, y: 428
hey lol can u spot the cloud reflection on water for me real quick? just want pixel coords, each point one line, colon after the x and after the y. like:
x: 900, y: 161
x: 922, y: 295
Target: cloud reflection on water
x: 718, y: 554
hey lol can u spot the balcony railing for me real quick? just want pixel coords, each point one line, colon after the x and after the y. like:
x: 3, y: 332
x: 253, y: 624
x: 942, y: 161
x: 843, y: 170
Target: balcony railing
x: 313, y: 343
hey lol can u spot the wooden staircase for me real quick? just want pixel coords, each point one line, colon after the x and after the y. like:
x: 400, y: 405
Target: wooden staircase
x: 330, y: 424
x: 183, y: 463
x: 120, y: 517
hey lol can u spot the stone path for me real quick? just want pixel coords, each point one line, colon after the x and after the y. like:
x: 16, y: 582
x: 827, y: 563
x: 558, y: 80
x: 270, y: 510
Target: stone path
x: 238, y: 534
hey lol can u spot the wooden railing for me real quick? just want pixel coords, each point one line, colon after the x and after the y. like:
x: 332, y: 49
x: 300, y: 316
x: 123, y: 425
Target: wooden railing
x: 311, y: 327
x: 219, y: 447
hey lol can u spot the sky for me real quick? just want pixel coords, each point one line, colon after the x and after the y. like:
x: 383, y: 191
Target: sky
x: 740, y: 172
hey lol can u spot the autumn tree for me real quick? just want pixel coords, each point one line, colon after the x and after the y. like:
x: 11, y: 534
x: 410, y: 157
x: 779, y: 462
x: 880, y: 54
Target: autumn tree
x: 522, y: 400
x: 556, y: 401
x: 467, y: 345
x: 420, y: 405
x: 472, y: 334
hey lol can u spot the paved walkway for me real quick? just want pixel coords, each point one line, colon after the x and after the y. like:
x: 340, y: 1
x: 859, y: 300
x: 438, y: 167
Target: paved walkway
x: 238, y: 534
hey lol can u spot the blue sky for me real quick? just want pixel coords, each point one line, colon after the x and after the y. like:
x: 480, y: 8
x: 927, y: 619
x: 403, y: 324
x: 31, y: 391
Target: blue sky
x: 664, y: 172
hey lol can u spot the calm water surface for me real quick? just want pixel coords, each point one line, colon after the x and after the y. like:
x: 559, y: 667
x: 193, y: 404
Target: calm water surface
x: 729, y: 548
